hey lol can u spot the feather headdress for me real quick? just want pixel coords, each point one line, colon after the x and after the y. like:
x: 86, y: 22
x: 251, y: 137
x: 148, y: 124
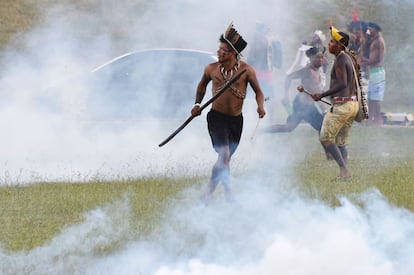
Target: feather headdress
x: 234, y: 39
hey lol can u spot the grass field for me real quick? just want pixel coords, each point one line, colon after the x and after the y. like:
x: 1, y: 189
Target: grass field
x: 32, y: 215
x: 54, y: 225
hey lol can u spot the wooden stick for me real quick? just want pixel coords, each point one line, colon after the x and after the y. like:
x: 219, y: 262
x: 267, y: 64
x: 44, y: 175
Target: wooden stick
x: 302, y: 90
x: 218, y: 93
x: 258, y: 121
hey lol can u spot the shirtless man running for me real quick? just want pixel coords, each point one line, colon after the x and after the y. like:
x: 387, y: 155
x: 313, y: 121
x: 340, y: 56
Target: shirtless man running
x: 304, y: 108
x: 225, y: 119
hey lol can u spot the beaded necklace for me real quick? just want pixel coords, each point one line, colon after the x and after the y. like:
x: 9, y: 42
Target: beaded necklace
x: 227, y: 75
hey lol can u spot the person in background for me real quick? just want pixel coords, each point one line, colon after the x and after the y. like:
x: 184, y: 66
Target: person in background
x: 265, y: 55
x: 318, y: 40
x: 376, y: 73
x: 225, y: 119
x: 337, y: 123
x: 301, y: 60
x: 304, y: 107
x: 358, y: 38
x: 358, y: 43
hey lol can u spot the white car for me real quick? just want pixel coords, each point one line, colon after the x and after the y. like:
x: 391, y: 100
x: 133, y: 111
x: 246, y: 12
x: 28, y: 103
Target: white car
x: 147, y: 83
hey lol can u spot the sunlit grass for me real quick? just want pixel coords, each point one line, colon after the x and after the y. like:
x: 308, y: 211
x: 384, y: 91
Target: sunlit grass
x: 32, y: 215
x: 379, y: 157
x: 395, y: 182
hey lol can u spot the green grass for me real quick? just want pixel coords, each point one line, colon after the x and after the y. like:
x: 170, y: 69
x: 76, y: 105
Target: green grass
x: 393, y: 180
x: 34, y: 214
x: 380, y: 158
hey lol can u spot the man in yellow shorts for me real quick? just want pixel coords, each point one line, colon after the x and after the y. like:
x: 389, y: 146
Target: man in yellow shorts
x: 337, y: 123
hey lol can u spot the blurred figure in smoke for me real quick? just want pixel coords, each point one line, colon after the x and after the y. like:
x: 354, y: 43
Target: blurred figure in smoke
x: 337, y: 123
x: 318, y: 41
x: 358, y: 43
x: 225, y: 119
x: 376, y: 73
x: 302, y: 60
x: 304, y: 107
x: 358, y: 38
x: 265, y: 55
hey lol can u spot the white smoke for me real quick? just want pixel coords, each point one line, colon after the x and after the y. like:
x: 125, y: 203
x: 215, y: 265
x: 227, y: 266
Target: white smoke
x: 269, y: 230
x: 43, y: 146
x: 278, y: 232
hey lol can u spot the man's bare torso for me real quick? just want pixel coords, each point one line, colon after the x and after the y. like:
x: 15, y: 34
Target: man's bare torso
x: 311, y: 81
x: 231, y: 101
x: 349, y: 90
x: 377, y: 50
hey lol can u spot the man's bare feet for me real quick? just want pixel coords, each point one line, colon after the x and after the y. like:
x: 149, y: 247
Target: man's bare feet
x: 345, y: 174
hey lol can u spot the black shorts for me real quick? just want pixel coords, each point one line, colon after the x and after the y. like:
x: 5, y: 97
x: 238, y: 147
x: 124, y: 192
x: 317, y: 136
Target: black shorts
x: 224, y: 130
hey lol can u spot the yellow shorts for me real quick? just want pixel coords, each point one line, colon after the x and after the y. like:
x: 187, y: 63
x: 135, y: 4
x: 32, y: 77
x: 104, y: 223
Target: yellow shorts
x: 336, y: 126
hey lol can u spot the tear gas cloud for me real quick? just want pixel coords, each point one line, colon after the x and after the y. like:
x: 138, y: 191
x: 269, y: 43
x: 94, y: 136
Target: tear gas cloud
x: 265, y: 232
x: 71, y: 41
x: 41, y: 145
x: 270, y: 229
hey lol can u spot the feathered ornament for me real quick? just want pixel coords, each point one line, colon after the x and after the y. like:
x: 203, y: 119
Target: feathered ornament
x: 335, y: 33
x: 234, y: 39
